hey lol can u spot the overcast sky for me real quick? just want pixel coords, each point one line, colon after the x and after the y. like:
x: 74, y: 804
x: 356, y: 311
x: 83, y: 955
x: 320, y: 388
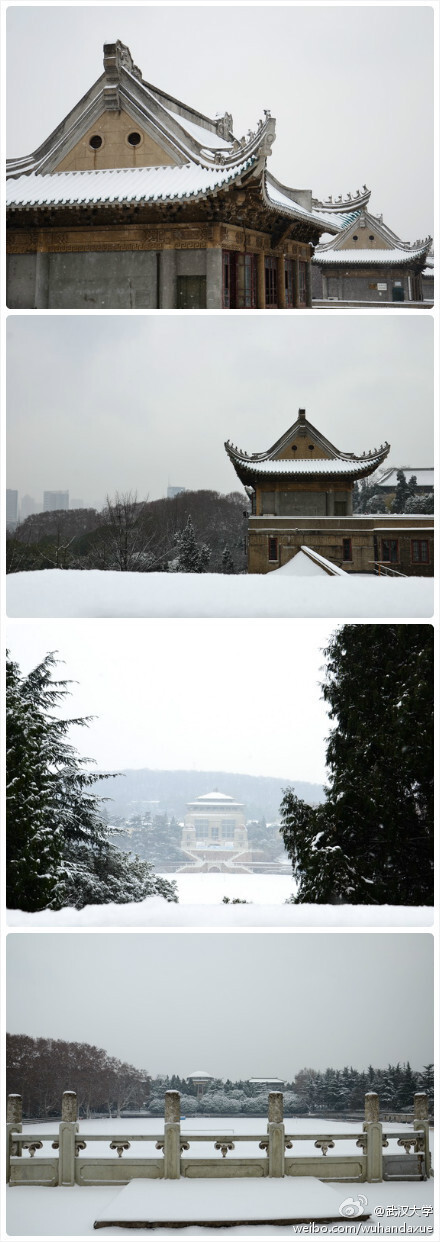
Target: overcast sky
x: 135, y: 403
x: 350, y: 85
x: 234, y: 1005
x: 189, y: 693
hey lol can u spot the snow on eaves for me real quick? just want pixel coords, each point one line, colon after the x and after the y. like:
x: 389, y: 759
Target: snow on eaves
x: 376, y: 257
x: 124, y: 185
x: 311, y: 466
x: 333, y: 220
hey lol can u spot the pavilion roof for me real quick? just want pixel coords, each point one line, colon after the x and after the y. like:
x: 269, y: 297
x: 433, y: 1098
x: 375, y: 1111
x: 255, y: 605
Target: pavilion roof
x: 391, y: 251
x: 332, y: 464
x: 202, y: 152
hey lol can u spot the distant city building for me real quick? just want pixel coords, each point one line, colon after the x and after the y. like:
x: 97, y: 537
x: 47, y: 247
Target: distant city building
x: 11, y: 508
x: 214, y: 835
x: 201, y: 1081
x: 275, y: 1084
x: 28, y: 506
x: 55, y: 500
x: 367, y: 262
x: 174, y: 491
x: 76, y: 504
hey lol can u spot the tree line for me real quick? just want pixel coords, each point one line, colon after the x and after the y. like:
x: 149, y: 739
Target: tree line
x: 405, y: 499
x: 190, y: 533
x: 40, y: 1069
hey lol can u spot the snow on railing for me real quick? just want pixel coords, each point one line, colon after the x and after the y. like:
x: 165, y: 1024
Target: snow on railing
x: 278, y: 1153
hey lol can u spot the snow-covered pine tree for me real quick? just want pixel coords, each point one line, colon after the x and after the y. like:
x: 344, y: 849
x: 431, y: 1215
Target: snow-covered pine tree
x: 370, y: 842
x: 192, y: 558
x: 402, y: 493
x: 58, y: 851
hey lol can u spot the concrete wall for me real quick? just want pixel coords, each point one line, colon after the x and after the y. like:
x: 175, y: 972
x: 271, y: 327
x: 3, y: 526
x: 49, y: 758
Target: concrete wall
x: 104, y: 280
x: 325, y: 536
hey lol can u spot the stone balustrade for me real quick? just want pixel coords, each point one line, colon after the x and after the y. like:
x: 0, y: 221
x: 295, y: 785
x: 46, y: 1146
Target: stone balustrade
x: 58, y: 1158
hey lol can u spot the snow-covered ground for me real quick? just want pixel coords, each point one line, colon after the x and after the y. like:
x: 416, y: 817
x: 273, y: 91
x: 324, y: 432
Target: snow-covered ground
x: 156, y: 912
x: 99, y: 593
x: 71, y: 1211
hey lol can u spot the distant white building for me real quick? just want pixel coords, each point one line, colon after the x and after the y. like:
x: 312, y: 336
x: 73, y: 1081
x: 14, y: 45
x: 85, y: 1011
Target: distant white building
x: 214, y: 835
x: 55, y: 500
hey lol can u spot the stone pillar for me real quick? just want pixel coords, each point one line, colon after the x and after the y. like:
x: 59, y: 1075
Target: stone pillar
x: 214, y: 278
x: 167, y: 280
x: 261, y: 282
x: 281, y: 283
x: 14, y: 1113
x: 66, y: 1166
x: 421, y: 1123
x: 373, y: 1130
x: 420, y: 1106
x: 41, y: 280
x: 308, y: 284
x: 171, y: 1151
x: 296, y: 290
x: 275, y: 1129
x: 371, y: 1104
x: 69, y: 1106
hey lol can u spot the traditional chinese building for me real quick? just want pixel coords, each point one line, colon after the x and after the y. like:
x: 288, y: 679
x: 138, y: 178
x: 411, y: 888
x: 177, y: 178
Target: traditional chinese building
x: 214, y: 835
x: 138, y: 200
x: 367, y: 262
x: 301, y: 495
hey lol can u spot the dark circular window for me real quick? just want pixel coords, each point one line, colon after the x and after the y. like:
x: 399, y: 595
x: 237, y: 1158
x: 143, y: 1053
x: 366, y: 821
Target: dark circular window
x: 371, y: 237
x: 294, y: 448
x: 355, y: 236
x: 311, y: 446
x: 95, y: 142
x: 134, y: 139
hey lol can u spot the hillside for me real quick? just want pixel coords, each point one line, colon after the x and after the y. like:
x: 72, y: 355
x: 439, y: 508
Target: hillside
x: 168, y: 792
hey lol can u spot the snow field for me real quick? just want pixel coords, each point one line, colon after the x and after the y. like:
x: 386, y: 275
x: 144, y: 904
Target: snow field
x: 156, y: 912
x: 106, y: 593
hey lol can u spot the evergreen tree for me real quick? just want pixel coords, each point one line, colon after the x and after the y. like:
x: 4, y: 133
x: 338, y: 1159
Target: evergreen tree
x: 227, y: 562
x: 192, y: 557
x: 58, y: 851
x: 402, y: 493
x: 371, y: 840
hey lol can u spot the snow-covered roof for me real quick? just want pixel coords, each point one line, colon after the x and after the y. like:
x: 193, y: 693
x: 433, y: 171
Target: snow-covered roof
x: 199, y: 1074
x: 280, y: 197
x: 214, y: 797
x: 125, y: 185
x: 308, y: 563
x: 376, y: 257
x: 424, y: 476
x: 310, y: 466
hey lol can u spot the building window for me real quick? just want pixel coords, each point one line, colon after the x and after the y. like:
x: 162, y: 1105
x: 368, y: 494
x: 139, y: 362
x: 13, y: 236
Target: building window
x: 215, y: 834
x: 302, y: 283
x: 340, y: 508
x: 273, y: 548
x: 419, y: 551
x: 202, y: 825
x: 134, y: 139
x: 250, y: 282
x: 289, y: 282
x: 95, y: 142
x: 228, y: 825
x: 270, y: 278
x: 346, y: 550
x: 390, y: 551
x: 229, y: 279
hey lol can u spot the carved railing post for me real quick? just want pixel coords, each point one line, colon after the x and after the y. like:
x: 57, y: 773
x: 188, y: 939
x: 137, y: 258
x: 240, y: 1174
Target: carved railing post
x: 373, y: 1130
x: 421, y: 1123
x: 275, y: 1129
x: 67, y: 1132
x: 171, y: 1151
x: 14, y: 1113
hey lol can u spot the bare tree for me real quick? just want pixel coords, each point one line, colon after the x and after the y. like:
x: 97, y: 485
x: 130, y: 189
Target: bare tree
x: 133, y: 543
